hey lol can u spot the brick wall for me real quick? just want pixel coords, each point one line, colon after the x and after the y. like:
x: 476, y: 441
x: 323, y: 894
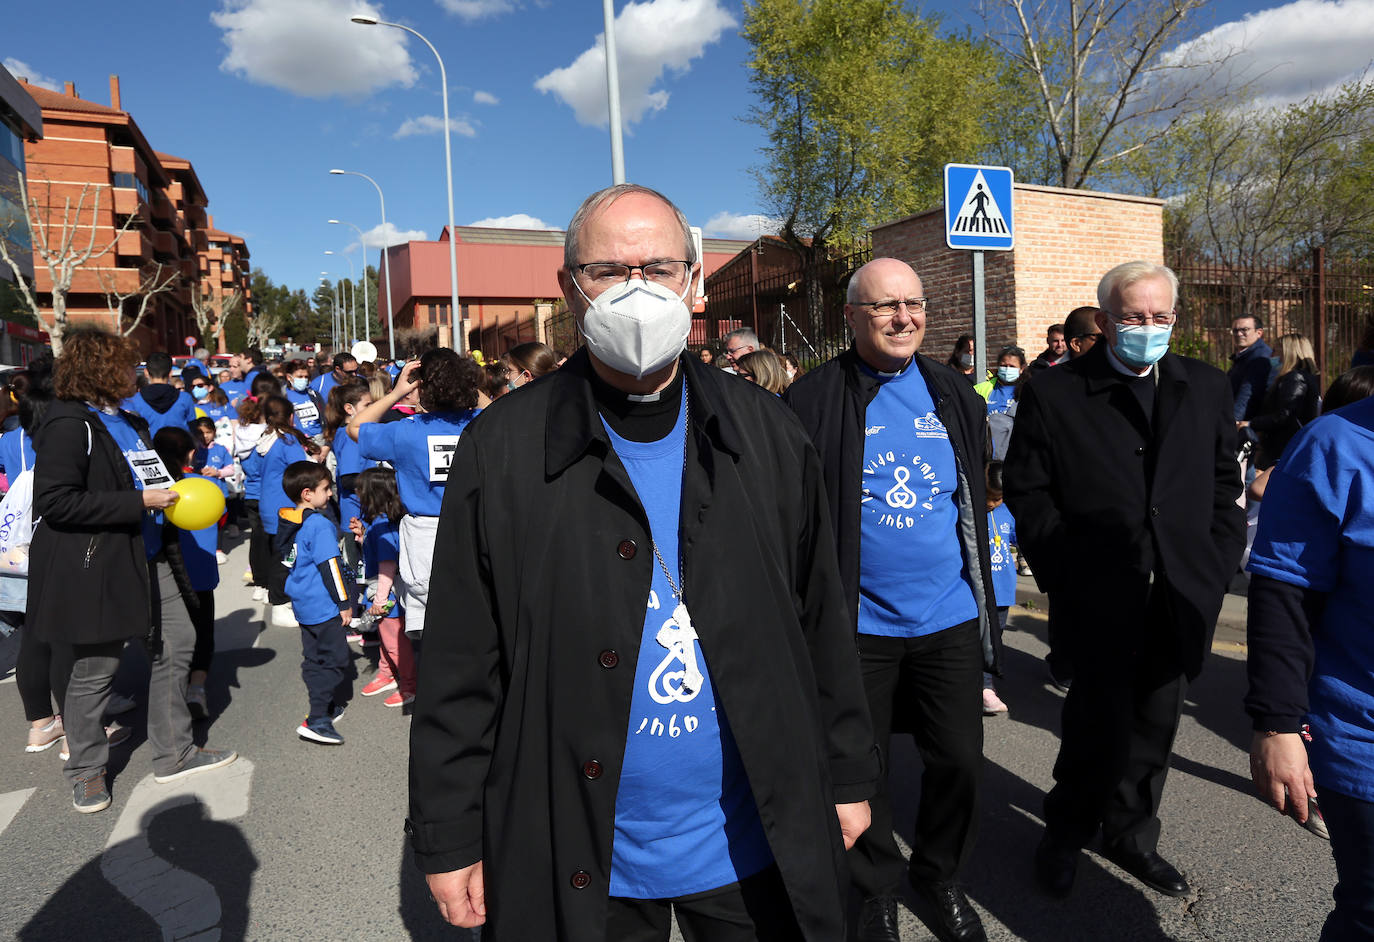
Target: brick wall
x: 1065, y: 241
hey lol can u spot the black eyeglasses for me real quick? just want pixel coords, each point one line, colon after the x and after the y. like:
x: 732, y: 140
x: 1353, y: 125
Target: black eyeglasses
x: 671, y: 273
x: 888, y: 306
x: 198, y: 385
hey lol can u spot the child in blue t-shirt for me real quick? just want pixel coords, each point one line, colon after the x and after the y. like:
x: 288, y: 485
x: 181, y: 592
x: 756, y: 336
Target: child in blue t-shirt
x: 1001, y: 538
x: 214, y: 462
x: 308, y: 542
x: 381, y: 540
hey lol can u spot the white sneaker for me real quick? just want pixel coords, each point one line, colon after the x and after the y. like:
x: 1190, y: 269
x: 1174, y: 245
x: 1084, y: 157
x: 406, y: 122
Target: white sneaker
x: 221, y: 557
x: 283, y: 618
x: 260, y: 594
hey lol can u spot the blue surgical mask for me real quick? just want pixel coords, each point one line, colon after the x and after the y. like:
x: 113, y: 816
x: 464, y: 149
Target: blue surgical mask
x: 1141, y: 345
x: 299, y: 383
x: 200, y: 392
x: 1008, y: 374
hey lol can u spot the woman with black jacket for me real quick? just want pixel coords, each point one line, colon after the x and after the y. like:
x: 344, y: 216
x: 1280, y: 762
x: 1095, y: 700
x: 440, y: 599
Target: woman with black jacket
x: 97, y: 569
x: 1293, y: 400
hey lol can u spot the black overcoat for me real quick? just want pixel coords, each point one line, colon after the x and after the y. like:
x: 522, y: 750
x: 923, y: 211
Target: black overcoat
x: 88, y: 574
x: 1103, y: 500
x: 541, y: 570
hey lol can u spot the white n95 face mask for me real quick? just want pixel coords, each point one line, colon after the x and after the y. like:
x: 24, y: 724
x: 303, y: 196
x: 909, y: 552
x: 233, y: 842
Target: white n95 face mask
x: 637, y: 327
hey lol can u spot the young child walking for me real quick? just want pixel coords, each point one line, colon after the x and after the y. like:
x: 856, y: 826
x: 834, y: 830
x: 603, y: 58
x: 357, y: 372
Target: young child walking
x: 1001, y: 536
x: 215, y: 463
x: 381, y: 511
x: 308, y: 543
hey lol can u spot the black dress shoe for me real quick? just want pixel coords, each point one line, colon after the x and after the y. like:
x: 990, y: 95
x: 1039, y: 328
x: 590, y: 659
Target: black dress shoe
x: 1056, y: 864
x: 1151, y: 869
x: 878, y: 920
x: 955, y: 918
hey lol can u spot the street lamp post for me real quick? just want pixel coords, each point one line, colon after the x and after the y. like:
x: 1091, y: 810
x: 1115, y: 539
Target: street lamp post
x: 386, y: 261
x: 461, y: 339
x: 613, y: 94
x: 334, y: 310
x: 362, y: 247
x: 353, y: 296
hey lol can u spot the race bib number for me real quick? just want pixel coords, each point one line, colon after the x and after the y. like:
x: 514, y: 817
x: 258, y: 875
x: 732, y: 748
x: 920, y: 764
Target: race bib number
x: 441, y: 449
x: 148, y: 469
x: 307, y: 414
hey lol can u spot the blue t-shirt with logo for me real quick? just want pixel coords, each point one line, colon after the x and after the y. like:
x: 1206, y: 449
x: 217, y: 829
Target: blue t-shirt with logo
x: 316, y: 544
x: 323, y: 383
x: 234, y: 389
x: 308, y: 417
x: 685, y: 819
x: 912, y: 577
x: 420, y: 447
x: 147, y: 470
x: 1001, y: 538
x: 214, y: 456
x: 1316, y: 530
x: 1000, y: 397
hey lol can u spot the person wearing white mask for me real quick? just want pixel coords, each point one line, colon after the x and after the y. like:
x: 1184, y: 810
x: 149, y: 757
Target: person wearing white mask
x: 639, y: 697
x: 1122, y: 477
x: 306, y: 403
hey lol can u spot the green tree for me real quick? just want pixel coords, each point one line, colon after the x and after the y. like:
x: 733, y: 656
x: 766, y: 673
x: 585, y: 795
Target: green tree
x: 862, y: 102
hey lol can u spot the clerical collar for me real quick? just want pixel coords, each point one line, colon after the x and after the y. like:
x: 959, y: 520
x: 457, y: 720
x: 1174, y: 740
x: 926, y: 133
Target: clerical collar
x: 1123, y: 369
x: 639, y: 418
x: 882, y: 375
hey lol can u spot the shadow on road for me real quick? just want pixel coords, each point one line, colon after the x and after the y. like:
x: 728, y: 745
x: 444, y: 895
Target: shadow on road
x: 211, y: 857
x: 418, y: 911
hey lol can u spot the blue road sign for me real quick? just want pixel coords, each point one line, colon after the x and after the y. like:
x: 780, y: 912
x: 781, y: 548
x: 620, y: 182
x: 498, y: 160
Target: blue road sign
x: 978, y: 207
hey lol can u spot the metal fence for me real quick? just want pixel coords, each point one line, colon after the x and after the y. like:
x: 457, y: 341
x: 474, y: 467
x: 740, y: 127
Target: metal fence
x: 1331, y: 302
x: 776, y: 305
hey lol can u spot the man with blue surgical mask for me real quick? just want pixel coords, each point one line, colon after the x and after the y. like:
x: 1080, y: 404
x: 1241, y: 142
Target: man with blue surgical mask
x: 639, y: 699
x: 1122, y: 476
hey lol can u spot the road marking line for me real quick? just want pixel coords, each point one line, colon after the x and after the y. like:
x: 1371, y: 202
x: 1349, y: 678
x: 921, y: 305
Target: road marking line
x: 10, y: 803
x: 183, y: 904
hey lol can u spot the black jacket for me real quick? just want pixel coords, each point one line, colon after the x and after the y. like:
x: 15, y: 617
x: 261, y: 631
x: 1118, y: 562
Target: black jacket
x: 542, y: 566
x: 1249, y: 378
x: 88, y: 575
x: 831, y: 402
x: 1103, y: 500
x: 1292, y: 402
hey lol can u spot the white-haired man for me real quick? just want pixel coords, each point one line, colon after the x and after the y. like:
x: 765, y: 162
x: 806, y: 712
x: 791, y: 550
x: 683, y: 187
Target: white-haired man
x: 1122, y: 477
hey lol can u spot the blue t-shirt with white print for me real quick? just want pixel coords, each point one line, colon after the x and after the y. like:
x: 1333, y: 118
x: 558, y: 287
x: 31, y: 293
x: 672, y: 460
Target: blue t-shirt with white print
x: 912, y: 577
x: 316, y: 544
x: 1001, y: 538
x: 685, y: 819
x: 146, y: 468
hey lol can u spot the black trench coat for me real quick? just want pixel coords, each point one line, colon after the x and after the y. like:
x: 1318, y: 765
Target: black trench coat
x: 541, y: 572
x: 1102, y: 500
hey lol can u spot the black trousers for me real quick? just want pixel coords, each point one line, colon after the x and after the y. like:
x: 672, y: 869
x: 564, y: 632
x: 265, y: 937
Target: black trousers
x: 41, y: 672
x: 1058, y: 658
x: 1119, y: 721
x: 259, y: 545
x: 931, y: 687
x: 755, y: 908
x: 203, y: 618
x: 326, y: 668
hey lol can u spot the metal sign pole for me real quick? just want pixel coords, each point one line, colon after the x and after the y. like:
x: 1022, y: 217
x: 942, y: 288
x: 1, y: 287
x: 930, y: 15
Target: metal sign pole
x: 980, y: 321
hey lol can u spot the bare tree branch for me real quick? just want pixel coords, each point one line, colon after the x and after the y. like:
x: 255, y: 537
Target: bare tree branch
x: 160, y: 280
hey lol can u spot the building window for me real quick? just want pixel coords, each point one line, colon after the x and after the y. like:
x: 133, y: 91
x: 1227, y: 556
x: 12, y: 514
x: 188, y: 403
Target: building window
x: 439, y: 313
x: 14, y: 226
x: 132, y: 182
x: 11, y: 146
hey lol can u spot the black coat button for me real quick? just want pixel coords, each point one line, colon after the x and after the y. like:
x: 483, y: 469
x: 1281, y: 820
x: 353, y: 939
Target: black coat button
x: 1154, y: 511
x: 592, y: 769
x: 626, y: 549
x: 1140, y: 450
x: 608, y: 659
x: 581, y: 880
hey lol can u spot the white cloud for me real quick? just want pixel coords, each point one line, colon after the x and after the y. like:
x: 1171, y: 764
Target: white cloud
x: 478, y: 9
x: 378, y: 236
x: 21, y: 69
x: 1291, y: 51
x: 434, y: 124
x: 725, y: 225
x: 308, y: 47
x: 668, y: 34
x: 513, y: 221
x: 485, y: 98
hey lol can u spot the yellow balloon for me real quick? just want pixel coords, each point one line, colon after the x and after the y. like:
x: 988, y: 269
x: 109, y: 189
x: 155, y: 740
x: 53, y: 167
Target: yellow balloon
x: 201, y: 504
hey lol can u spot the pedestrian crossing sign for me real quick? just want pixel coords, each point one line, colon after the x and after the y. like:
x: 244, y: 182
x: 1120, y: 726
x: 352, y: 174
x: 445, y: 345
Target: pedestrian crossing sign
x: 978, y: 207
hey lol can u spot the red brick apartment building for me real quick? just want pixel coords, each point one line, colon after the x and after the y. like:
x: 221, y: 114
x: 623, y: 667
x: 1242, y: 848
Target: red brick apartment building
x: 502, y: 275
x: 95, y: 157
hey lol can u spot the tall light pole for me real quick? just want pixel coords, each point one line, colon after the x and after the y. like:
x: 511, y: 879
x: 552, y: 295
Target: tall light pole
x: 362, y: 247
x: 353, y: 296
x: 325, y: 279
x: 386, y: 261
x: 455, y: 314
x: 613, y: 94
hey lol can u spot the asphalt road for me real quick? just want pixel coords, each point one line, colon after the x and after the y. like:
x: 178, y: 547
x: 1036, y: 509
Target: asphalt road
x: 299, y: 841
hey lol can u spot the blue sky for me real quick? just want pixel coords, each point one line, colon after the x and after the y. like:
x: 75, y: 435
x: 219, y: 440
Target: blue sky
x: 264, y: 96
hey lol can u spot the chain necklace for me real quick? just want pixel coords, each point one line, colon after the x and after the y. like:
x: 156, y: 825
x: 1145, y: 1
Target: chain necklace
x: 686, y: 433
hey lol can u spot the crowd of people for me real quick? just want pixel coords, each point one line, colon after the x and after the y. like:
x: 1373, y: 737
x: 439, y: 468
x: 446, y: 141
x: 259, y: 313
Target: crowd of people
x: 827, y: 559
